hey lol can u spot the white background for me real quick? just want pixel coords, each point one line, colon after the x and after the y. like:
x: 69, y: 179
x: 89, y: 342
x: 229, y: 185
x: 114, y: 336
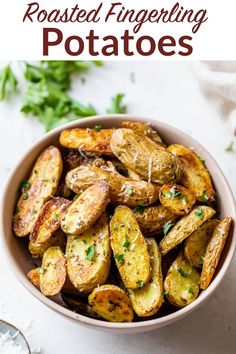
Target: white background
x: 169, y: 92
x: 215, y: 40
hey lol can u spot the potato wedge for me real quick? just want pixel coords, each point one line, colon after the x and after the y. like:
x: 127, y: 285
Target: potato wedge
x: 142, y: 155
x: 88, y: 256
x: 122, y: 190
x: 185, y: 227
x: 145, y: 129
x: 152, y: 219
x: 49, y: 220
x: 196, y: 244
x: 42, y: 184
x: 86, y: 209
x: 182, y: 282
x: 111, y: 303
x: 34, y: 277
x: 195, y: 176
x: 214, y: 250
x: 88, y: 140
x: 57, y: 239
x: 129, y: 248
x: 53, y: 271
x: 147, y: 300
x: 177, y: 198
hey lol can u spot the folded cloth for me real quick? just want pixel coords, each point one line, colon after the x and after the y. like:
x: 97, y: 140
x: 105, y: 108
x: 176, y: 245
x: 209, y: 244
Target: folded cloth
x: 219, y: 77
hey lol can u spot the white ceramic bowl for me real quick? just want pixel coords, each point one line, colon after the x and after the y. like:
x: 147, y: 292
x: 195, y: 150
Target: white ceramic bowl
x: 20, y: 260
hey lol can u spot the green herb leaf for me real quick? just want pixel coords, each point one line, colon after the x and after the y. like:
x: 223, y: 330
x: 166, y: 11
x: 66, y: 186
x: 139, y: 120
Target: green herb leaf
x: 25, y: 185
x: 230, y: 147
x: 90, y: 252
x: 8, y: 83
x: 84, y: 241
x: 190, y: 290
x: 199, y: 213
x: 117, y: 105
x: 204, y: 197
x: 119, y: 257
x: 97, y: 128
x: 167, y: 227
x: 130, y: 191
x: 55, y: 215
x: 201, y: 260
x: 126, y: 244
x: 183, y: 273
x: 140, y: 283
x: 25, y: 196
x: 139, y: 209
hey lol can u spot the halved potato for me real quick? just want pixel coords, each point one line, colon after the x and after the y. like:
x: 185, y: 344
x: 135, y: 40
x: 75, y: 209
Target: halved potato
x: 38, y: 249
x: 147, y: 300
x: 129, y: 248
x: 214, y: 250
x: 53, y: 271
x: 142, y: 155
x: 152, y: 219
x: 195, y: 176
x: 49, y: 220
x: 122, y: 190
x: 34, y: 276
x: 88, y: 140
x: 88, y: 256
x: 86, y: 209
x: 177, y: 198
x: 182, y: 282
x: 196, y: 244
x: 42, y: 184
x: 145, y: 129
x: 185, y: 227
x: 111, y: 303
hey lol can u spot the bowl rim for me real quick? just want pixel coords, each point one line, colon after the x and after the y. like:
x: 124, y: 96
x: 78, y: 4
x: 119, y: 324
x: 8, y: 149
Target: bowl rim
x: 95, y: 323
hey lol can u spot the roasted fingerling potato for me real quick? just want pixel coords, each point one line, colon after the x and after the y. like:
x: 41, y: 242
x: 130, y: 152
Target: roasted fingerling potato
x: 185, y: 227
x: 86, y: 209
x: 149, y: 160
x: 111, y: 303
x: 177, y: 198
x: 122, y: 190
x: 41, y: 185
x: 147, y: 300
x: 214, y: 250
x: 195, y: 176
x: 88, y: 256
x: 58, y: 238
x: 145, y: 129
x: 34, y: 277
x: 129, y: 248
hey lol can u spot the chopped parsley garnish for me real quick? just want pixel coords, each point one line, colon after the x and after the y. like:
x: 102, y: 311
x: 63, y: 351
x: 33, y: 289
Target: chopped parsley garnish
x: 126, y: 244
x: 84, y: 241
x: 119, y: 257
x: 190, y: 290
x: 201, y: 260
x: 117, y: 105
x: 8, y: 83
x: 174, y: 175
x: 97, y: 128
x: 55, y: 215
x: 204, y: 197
x: 139, y: 209
x: 167, y: 227
x: 140, y: 283
x: 230, y: 147
x: 25, y: 185
x: 34, y: 211
x: 199, y: 213
x: 130, y: 191
x: 17, y: 210
x: 41, y: 270
x: 172, y: 193
x: 90, y: 252
x: 183, y: 273
x: 25, y: 196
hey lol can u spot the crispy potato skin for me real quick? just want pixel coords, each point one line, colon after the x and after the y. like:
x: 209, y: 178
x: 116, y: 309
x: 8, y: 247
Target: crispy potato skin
x: 181, y: 283
x: 53, y: 276
x: 144, y: 129
x: 57, y: 239
x: 111, y: 303
x: 43, y: 183
x: 177, y: 198
x: 147, y: 300
x: 196, y: 244
x: 87, y: 140
x: 214, y: 250
x: 185, y: 227
x: 195, y: 176
x: 122, y: 190
x: 83, y: 273
x: 142, y: 155
x: 49, y: 220
x: 129, y: 248
x: 86, y: 209
x: 153, y: 218
x: 34, y: 277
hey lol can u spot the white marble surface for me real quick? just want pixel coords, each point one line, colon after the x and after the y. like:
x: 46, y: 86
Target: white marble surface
x: 169, y: 92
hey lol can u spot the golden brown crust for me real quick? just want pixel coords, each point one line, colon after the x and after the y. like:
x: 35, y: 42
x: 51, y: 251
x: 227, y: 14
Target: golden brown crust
x: 214, y: 250
x: 42, y: 184
x: 111, y: 303
x: 57, y: 239
x: 145, y: 129
x: 34, y: 277
x: 177, y: 198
